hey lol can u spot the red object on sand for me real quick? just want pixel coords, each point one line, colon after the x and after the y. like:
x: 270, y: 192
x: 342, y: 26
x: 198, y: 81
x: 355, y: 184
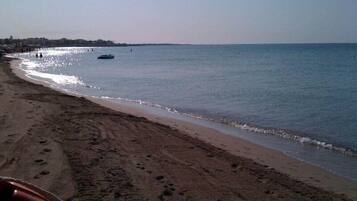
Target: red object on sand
x: 13, y: 191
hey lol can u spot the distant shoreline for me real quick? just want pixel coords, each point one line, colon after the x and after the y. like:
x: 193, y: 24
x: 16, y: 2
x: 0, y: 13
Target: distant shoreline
x: 12, y: 45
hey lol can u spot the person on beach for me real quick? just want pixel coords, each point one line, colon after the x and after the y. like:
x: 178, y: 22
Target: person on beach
x: 41, y: 55
x: 36, y: 55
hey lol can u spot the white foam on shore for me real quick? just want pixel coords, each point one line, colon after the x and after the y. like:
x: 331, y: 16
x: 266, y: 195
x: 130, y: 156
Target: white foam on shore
x: 29, y: 66
x: 291, y: 135
x: 57, y: 78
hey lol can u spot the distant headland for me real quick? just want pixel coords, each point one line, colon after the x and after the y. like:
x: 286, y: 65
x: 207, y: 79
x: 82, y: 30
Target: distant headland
x: 10, y: 45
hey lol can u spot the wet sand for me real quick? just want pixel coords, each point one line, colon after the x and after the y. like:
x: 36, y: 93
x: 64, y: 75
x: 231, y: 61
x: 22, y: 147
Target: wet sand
x: 80, y: 150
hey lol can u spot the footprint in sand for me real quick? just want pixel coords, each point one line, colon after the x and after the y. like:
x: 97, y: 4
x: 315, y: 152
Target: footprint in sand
x: 165, y: 193
x: 234, y: 165
x: 42, y: 173
x: 140, y: 166
x: 11, y: 135
x: 159, y: 178
x: 47, y: 150
x: 41, y: 162
x: 171, y: 187
x: 148, y: 157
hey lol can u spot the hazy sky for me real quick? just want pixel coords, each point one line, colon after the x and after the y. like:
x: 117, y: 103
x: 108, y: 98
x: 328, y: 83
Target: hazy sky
x: 183, y: 21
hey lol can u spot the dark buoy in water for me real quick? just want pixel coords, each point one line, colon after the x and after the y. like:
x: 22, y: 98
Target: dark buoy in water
x: 41, y: 55
x: 36, y: 55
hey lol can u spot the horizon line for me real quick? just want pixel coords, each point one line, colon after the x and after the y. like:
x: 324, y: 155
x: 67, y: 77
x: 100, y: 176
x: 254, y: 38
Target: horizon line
x: 173, y: 43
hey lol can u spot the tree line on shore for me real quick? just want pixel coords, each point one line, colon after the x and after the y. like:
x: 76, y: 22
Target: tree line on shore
x: 11, y: 45
x: 8, y: 45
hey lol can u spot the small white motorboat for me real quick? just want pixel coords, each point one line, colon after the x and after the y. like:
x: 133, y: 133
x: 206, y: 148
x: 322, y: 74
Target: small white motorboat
x: 106, y: 56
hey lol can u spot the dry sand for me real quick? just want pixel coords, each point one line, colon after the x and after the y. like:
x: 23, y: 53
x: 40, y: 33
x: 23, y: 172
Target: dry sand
x: 80, y: 150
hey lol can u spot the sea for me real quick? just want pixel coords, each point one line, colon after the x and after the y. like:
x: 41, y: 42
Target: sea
x: 300, y: 99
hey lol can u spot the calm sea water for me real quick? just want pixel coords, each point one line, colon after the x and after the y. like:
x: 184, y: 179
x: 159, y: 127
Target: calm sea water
x: 305, y: 94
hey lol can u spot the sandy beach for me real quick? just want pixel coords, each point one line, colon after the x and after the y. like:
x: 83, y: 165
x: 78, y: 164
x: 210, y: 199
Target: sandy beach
x: 80, y: 150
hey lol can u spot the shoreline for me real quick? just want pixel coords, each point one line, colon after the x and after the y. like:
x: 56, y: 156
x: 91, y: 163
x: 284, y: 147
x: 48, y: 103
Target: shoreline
x: 207, y: 137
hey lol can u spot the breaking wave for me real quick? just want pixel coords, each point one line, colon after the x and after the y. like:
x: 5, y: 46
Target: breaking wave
x: 292, y: 135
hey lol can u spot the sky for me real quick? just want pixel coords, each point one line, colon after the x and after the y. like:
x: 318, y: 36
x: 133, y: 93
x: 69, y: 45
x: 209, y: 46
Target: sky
x: 183, y: 21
